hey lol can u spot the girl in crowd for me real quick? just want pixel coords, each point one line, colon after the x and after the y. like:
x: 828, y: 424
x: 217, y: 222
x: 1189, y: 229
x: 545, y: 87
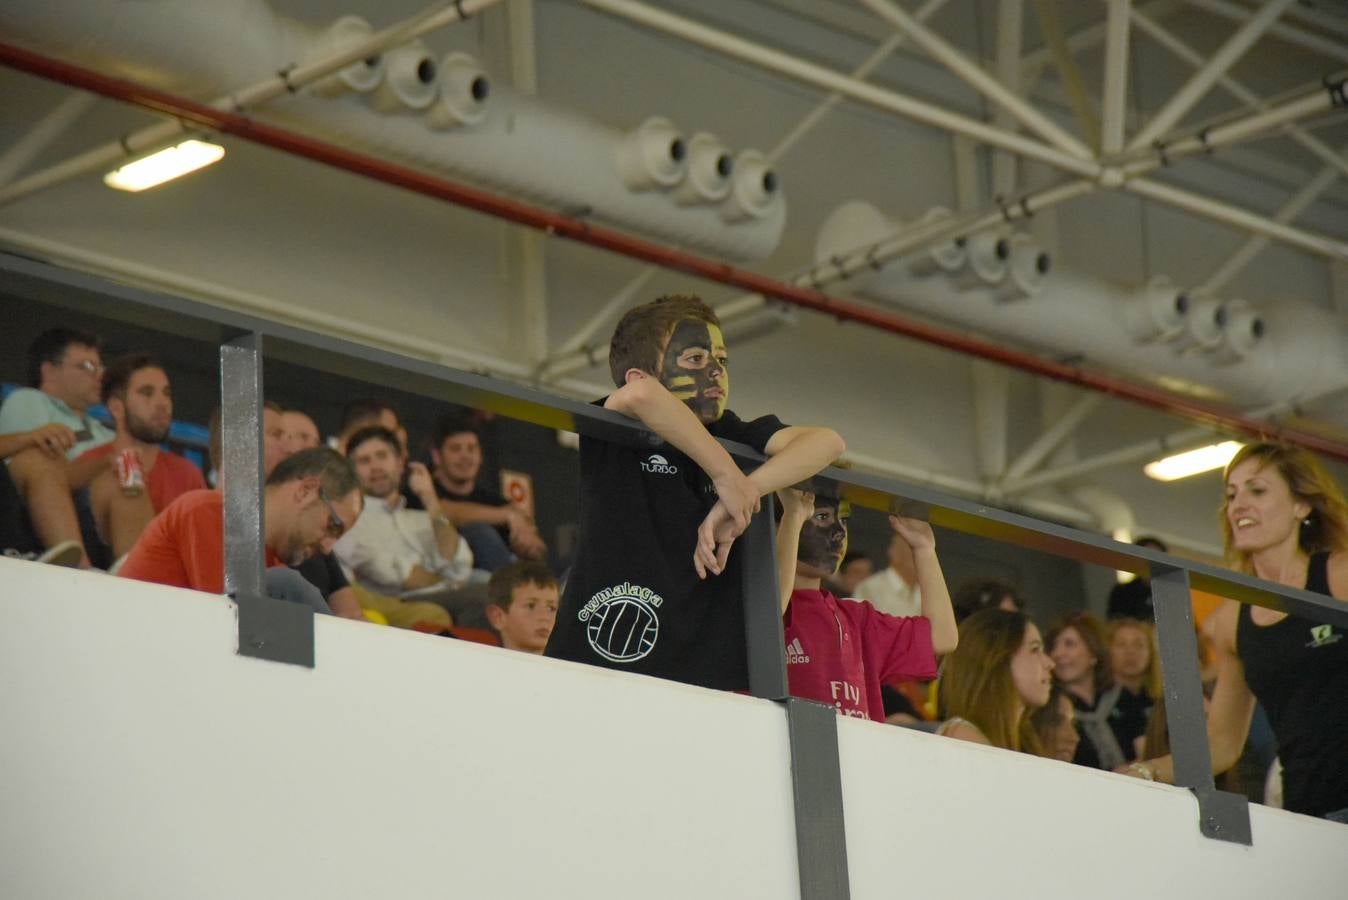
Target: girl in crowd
x: 1136, y: 674
x: 997, y: 675
x: 1056, y: 725
x: 1284, y: 520
x: 1081, y: 665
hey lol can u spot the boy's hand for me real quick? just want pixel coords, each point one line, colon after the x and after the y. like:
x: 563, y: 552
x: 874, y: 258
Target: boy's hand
x: 740, y: 497
x: 715, y: 536
x: 915, y: 532
x: 797, y: 506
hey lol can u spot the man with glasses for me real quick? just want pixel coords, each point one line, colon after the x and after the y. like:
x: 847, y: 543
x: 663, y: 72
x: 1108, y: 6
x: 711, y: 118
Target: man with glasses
x: 311, y: 499
x: 48, y: 423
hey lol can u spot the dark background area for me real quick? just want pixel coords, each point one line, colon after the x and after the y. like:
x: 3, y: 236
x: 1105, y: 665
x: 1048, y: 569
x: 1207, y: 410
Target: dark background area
x: 1051, y: 584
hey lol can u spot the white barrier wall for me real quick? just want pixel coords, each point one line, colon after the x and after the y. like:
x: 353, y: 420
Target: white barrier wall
x: 141, y: 758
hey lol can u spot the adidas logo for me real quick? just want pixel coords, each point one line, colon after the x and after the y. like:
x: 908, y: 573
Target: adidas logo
x: 795, y: 653
x: 658, y: 465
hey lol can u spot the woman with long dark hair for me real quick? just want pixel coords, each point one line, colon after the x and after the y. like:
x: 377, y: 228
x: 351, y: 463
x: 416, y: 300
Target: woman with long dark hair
x: 1285, y: 521
x: 994, y: 679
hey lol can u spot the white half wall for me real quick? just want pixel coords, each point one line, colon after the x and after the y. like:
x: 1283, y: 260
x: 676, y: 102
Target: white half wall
x: 141, y: 758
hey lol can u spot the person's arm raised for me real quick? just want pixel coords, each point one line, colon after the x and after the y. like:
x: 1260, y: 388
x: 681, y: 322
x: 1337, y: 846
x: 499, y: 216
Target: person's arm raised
x: 1230, y: 712
x: 936, y: 605
x: 797, y: 507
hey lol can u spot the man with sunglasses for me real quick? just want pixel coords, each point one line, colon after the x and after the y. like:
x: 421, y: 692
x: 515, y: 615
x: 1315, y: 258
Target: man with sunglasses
x: 311, y: 499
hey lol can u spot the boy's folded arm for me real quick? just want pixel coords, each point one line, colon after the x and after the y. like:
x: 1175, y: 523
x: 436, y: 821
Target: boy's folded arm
x: 646, y: 399
x: 795, y: 454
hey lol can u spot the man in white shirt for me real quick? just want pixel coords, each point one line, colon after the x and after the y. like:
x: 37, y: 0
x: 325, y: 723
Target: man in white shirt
x: 391, y: 549
x: 894, y: 589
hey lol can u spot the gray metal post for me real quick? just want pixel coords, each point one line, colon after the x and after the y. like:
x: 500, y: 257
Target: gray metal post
x: 816, y: 783
x: 1222, y: 815
x: 268, y: 629
x: 764, y: 639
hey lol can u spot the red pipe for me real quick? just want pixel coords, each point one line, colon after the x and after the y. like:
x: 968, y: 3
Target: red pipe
x: 553, y: 223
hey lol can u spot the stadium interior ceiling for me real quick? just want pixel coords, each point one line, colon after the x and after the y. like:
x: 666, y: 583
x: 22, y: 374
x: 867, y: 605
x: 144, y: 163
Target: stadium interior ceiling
x: 1155, y: 192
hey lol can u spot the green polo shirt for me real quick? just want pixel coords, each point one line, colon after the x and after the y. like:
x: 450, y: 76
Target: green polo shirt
x: 29, y: 408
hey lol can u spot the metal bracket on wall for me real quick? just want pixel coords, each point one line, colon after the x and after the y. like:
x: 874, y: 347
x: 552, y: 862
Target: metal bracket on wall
x: 1222, y: 816
x: 816, y: 785
x: 268, y: 629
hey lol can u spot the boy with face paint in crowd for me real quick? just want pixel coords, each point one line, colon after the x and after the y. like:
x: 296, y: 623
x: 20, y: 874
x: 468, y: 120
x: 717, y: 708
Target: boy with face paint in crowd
x: 840, y: 652
x: 655, y: 587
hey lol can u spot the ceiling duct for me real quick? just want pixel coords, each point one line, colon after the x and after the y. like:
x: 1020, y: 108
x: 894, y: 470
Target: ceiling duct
x: 710, y: 166
x: 409, y: 79
x: 1157, y: 311
x: 513, y: 144
x: 361, y: 77
x: 652, y: 156
x: 1297, y: 351
x: 464, y: 89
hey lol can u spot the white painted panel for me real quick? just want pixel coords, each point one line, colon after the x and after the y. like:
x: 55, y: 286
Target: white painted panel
x: 941, y: 818
x: 142, y: 759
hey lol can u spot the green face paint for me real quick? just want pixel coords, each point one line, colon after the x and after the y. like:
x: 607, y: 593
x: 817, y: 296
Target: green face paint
x: 694, y: 368
x: 823, y: 538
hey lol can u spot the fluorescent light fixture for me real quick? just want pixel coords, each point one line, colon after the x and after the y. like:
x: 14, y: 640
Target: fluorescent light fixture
x: 1182, y: 465
x: 164, y: 165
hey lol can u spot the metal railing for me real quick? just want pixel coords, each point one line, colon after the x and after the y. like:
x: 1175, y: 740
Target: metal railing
x: 274, y: 630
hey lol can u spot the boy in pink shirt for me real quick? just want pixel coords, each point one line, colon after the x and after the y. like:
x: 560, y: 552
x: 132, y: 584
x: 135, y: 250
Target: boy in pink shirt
x: 840, y: 651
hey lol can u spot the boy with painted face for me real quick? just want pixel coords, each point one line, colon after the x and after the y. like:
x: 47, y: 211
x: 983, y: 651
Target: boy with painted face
x: 655, y: 588
x: 840, y: 652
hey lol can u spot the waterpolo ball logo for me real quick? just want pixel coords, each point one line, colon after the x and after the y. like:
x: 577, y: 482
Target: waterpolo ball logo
x: 658, y: 465
x: 621, y: 623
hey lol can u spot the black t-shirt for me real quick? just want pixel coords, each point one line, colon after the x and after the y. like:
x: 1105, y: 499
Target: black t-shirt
x: 324, y: 572
x: 1298, y: 669
x: 1129, y: 718
x: 633, y: 601
x: 483, y: 495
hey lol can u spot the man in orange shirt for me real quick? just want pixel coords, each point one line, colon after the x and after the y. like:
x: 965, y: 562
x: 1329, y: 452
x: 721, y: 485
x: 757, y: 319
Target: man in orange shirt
x: 139, y: 398
x: 310, y: 501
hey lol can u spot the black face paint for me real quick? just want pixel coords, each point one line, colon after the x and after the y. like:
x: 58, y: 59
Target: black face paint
x: 823, y: 538
x: 694, y: 368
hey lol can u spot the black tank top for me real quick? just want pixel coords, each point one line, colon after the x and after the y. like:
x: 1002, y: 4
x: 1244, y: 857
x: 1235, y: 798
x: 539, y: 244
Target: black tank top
x: 1298, y: 669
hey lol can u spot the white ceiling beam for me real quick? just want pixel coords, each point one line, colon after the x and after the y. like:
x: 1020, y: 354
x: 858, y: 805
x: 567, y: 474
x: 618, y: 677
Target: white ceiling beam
x: 1010, y: 27
x: 1085, y: 38
x: 1289, y: 33
x: 861, y: 72
x: 1115, y: 92
x: 37, y: 139
x: 1241, y: 218
x: 830, y: 80
x: 583, y: 337
x: 1254, y: 245
x: 525, y: 248
x: 1052, y: 437
x: 285, y: 82
x: 1069, y: 73
x: 1183, y: 51
x: 991, y: 402
x: 973, y: 74
x: 1201, y: 82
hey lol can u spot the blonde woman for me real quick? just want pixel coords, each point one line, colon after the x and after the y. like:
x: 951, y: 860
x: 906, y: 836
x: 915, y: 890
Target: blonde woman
x: 1135, y: 671
x: 1285, y: 521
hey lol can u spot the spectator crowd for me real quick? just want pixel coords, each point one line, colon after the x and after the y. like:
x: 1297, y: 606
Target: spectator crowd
x: 359, y: 526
